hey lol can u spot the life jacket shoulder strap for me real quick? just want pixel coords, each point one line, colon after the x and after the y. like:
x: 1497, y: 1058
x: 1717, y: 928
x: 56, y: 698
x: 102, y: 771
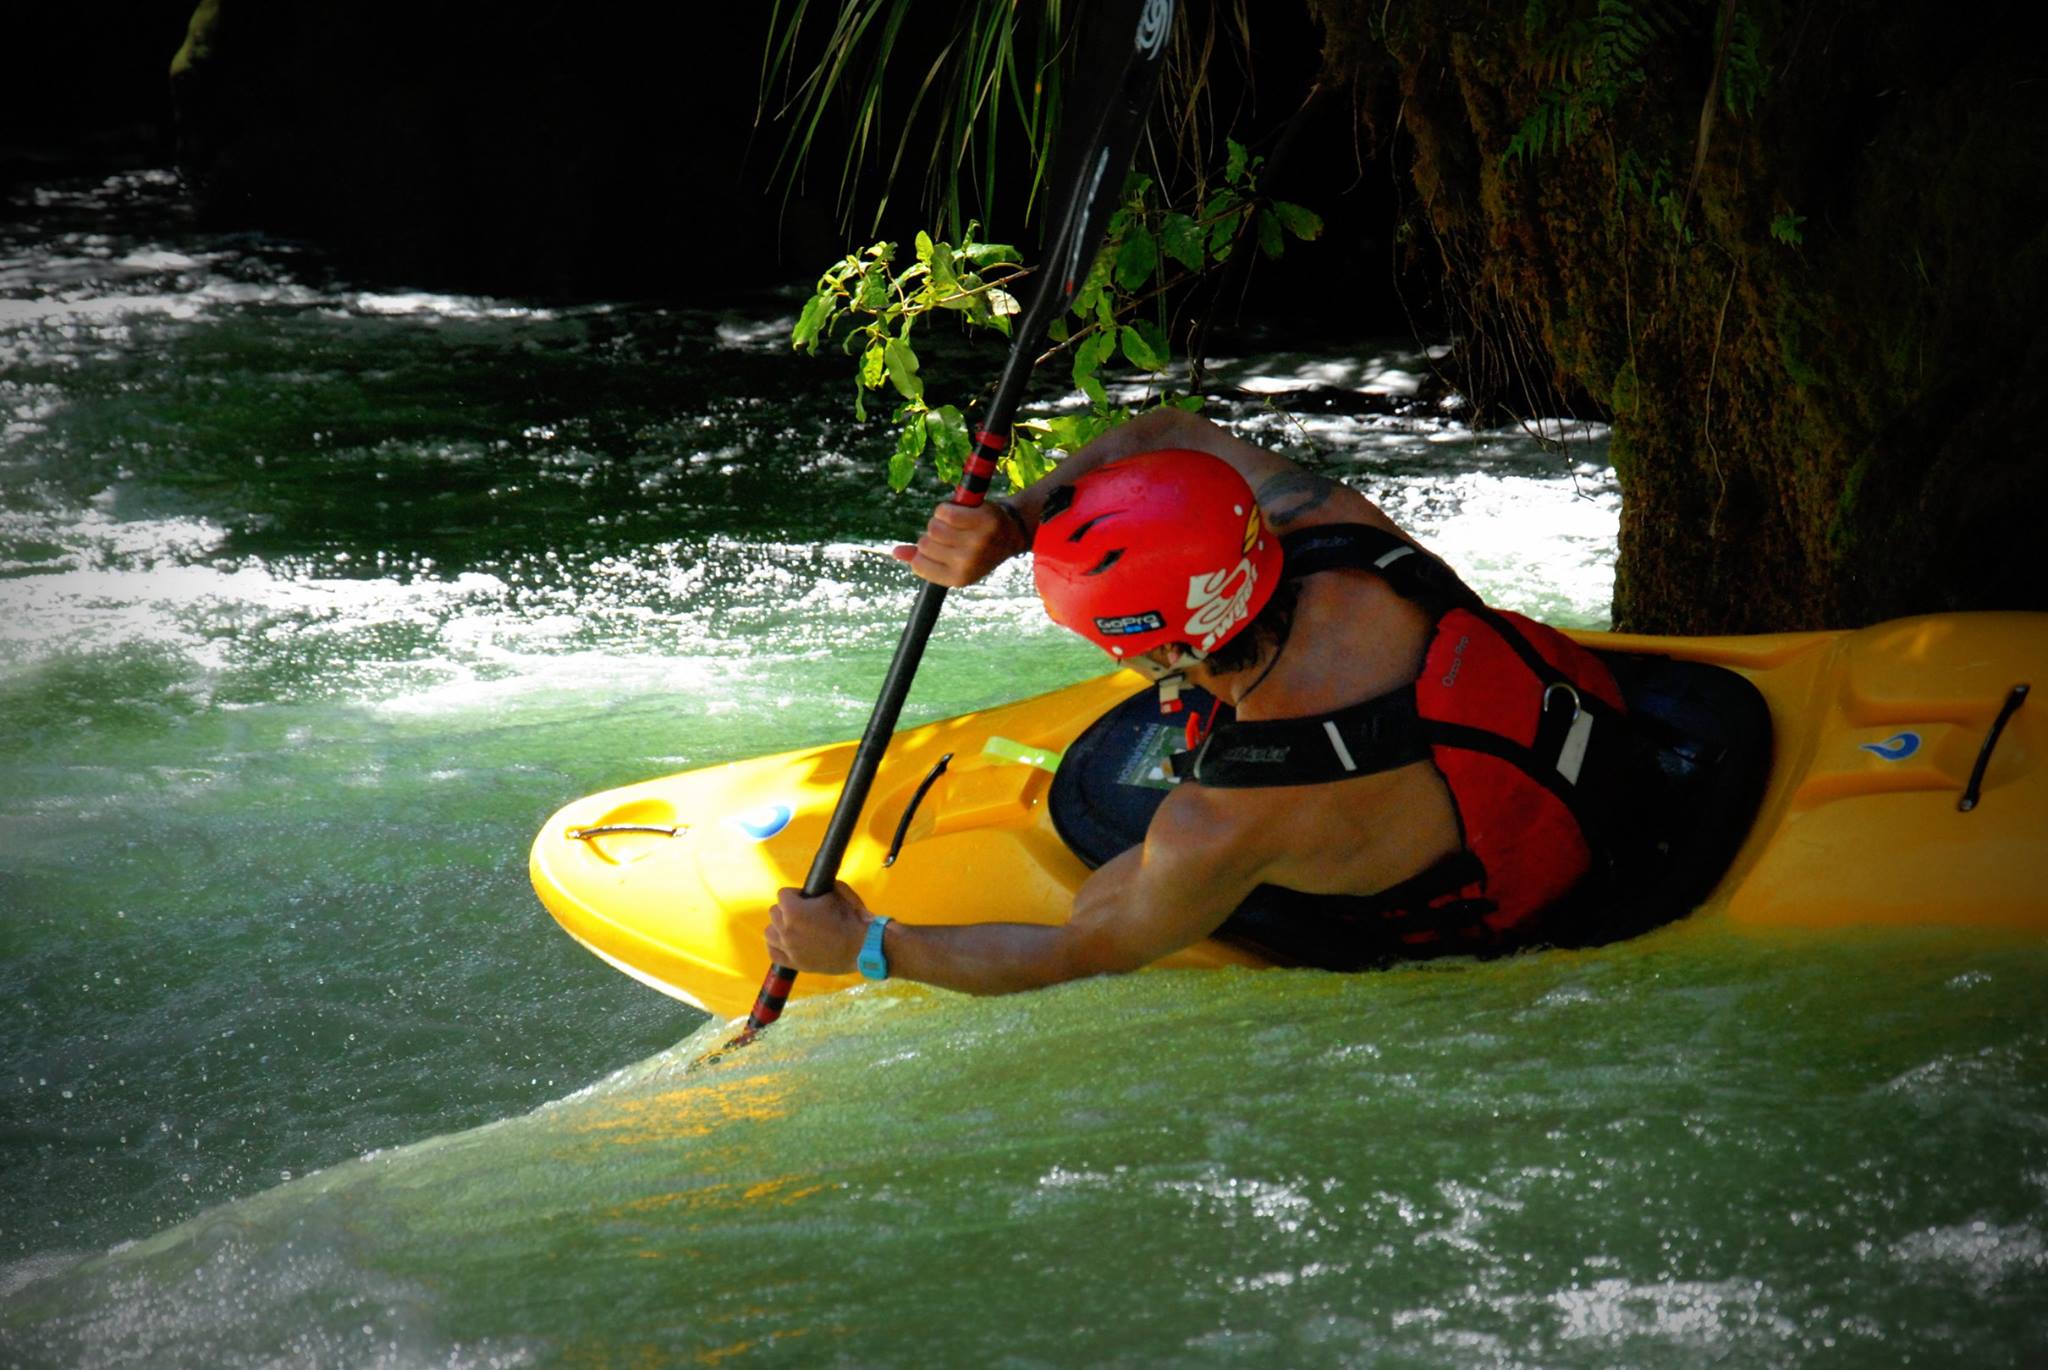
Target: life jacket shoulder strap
x: 1413, y: 573
x: 1377, y: 734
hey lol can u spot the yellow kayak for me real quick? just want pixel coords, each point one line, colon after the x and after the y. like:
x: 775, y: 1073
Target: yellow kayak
x: 1897, y: 779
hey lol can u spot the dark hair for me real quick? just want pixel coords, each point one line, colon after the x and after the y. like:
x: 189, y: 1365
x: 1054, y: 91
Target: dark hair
x: 1270, y: 625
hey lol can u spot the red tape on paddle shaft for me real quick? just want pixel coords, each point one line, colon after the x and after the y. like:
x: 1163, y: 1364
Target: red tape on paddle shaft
x: 1130, y: 42
x: 980, y: 468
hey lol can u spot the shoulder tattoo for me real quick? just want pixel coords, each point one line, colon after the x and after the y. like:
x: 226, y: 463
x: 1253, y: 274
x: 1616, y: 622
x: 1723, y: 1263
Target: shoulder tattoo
x: 1292, y: 494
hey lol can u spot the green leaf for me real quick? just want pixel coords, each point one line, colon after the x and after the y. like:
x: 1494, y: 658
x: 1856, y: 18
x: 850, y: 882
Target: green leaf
x: 1182, y: 237
x: 1085, y: 380
x: 972, y: 300
x: 872, y: 367
x: 949, y: 442
x: 1071, y: 432
x: 1233, y: 168
x: 1086, y: 299
x: 924, y: 247
x: 1145, y: 346
x: 902, y: 364
x: 804, y: 337
x: 1303, y: 223
x: 873, y: 294
x: 1026, y: 463
x: 1089, y: 356
x: 1224, y: 221
x: 1057, y: 330
x: 909, y: 447
x: 836, y: 274
x: 1272, y: 241
x: 989, y: 254
x: 943, y: 276
x: 1136, y: 259
x: 1193, y: 404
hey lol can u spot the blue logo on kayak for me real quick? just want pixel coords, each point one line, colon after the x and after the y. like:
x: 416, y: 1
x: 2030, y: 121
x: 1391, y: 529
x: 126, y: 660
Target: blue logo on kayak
x: 764, y: 822
x: 1897, y: 747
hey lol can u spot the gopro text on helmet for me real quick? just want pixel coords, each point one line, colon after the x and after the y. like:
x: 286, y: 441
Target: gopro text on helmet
x: 1124, y: 625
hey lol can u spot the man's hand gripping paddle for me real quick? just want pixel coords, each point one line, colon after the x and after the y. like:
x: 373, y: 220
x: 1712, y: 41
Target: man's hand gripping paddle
x: 1092, y: 187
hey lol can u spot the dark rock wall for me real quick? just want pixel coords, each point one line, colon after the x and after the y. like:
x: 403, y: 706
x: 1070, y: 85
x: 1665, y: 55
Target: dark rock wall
x: 1816, y: 320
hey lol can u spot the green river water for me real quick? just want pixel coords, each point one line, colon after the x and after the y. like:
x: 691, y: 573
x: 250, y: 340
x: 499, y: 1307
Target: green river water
x: 316, y: 598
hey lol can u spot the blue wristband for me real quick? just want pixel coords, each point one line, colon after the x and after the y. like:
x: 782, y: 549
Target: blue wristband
x: 873, y: 964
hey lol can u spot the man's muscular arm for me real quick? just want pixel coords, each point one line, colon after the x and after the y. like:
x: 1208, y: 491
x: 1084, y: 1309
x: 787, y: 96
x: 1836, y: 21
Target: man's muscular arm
x: 1170, y: 892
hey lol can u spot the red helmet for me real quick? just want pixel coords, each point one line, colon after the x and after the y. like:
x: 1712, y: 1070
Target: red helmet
x: 1166, y: 546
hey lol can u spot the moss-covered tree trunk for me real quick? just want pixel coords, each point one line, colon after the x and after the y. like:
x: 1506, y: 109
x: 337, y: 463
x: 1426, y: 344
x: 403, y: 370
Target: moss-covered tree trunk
x: 1796, y: 251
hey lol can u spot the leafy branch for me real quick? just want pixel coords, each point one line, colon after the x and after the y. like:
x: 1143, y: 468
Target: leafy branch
x: 1151, y: 253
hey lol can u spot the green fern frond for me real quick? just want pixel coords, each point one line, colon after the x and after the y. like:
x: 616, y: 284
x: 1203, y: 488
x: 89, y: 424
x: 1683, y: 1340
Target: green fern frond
x: 1743, y: 77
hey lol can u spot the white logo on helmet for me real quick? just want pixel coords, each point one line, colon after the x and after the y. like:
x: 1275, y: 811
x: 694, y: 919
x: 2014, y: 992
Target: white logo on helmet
x: 1217, y: 601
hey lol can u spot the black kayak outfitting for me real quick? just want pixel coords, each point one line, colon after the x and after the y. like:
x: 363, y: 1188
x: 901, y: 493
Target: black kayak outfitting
x: 1675, y: 810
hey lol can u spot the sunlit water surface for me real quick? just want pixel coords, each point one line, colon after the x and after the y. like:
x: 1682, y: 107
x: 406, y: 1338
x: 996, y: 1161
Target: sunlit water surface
x: 317, y: 597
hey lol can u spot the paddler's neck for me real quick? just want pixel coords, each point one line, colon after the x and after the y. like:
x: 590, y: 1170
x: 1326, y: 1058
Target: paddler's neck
x: 1242, y: 684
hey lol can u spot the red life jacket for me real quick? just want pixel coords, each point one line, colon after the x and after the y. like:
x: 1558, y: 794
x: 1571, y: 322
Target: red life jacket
x: 1508, y: 710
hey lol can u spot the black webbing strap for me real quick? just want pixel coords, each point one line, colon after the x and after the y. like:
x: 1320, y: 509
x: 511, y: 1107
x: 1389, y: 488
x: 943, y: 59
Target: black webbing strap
x: 1375, y: 735
x: 1413, y: 573
x: 1423, y: 903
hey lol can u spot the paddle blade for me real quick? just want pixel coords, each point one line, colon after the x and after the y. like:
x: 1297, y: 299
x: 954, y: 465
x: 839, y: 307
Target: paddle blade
x: 1121, y: 59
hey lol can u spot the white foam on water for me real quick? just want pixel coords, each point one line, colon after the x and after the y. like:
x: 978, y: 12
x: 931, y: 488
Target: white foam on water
x: 1696, y: 1313
x: 1985, y: 1254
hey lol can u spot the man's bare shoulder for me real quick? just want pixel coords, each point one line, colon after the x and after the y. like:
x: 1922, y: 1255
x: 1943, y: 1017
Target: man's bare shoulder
x: 1228, y: 831
x: 1300, y: 498
x: 1292, y: 495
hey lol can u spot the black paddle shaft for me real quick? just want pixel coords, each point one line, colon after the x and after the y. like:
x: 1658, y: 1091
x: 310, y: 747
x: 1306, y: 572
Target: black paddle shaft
x: 1094, y: 184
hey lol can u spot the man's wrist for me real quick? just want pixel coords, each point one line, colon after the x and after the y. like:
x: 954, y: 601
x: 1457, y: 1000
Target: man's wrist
x: 872, y: 961
x: 1016, y: 520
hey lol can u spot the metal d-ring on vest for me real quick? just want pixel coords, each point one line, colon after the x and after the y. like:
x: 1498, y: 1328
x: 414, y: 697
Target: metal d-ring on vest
x: 1571, y: 753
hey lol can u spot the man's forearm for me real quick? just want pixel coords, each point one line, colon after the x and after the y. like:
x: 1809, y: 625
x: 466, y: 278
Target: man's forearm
x: 985, y: 958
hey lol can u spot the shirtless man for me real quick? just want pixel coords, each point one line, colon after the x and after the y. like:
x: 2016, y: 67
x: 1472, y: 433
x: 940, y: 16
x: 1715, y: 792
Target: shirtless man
x: 1275, y: 647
